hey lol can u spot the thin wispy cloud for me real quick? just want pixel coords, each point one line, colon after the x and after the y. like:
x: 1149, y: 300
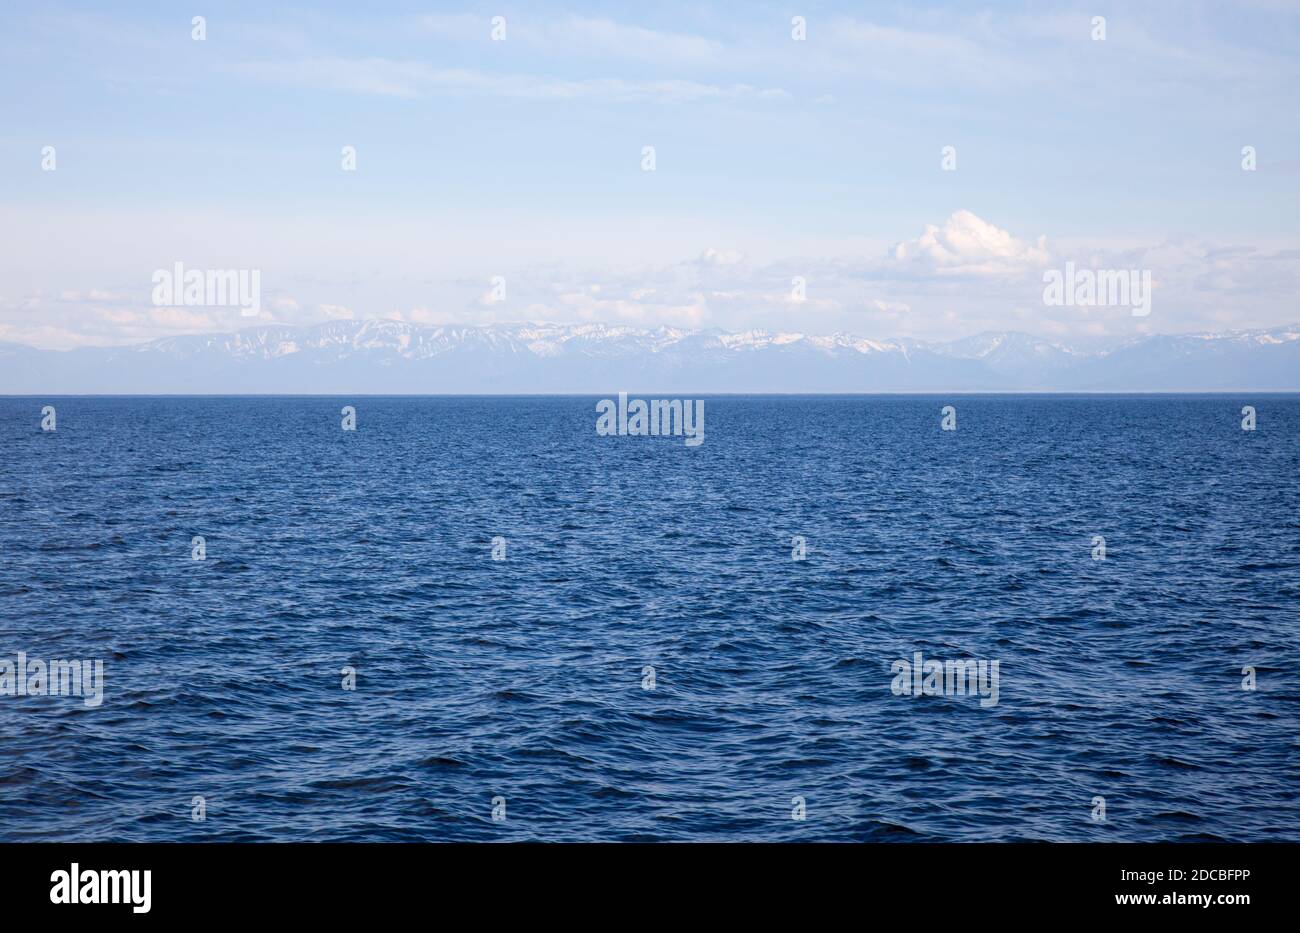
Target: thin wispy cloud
x: 569, y: 36
x: 416, y: 79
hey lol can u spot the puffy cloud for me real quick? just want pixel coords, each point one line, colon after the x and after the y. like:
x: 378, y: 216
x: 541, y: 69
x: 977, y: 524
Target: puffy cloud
x: 721, y: 257
x: 969, y: 245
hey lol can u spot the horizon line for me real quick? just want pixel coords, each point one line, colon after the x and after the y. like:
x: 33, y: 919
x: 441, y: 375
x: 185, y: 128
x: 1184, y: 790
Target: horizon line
x: 678, y: 392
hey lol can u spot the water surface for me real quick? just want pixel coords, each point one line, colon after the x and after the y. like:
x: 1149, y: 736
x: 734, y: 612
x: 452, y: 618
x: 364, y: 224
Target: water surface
x: 523, y: 678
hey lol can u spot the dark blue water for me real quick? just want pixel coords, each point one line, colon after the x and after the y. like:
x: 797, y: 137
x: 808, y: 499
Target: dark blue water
x: 523, y: 678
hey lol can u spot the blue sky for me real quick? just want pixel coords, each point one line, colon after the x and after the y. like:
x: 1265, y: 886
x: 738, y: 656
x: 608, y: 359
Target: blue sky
x: 775, y: 158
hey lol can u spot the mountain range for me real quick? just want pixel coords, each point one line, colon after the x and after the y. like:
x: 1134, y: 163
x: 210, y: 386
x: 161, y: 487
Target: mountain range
x: 385, y: 356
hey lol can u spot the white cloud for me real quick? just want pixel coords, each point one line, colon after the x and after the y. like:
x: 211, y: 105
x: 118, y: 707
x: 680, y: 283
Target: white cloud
x: 968, y: 245
x: 580, y: 36
x: 636, y: 41
x: 412, y: 79
x: 721, y: 257
x: 916, y: 55
x: 957, y: 278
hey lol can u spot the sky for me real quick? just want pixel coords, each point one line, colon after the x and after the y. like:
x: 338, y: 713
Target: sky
x: 798, y: 185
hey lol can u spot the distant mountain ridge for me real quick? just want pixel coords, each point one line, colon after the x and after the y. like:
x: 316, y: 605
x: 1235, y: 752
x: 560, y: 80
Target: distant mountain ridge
x: 384, y: 356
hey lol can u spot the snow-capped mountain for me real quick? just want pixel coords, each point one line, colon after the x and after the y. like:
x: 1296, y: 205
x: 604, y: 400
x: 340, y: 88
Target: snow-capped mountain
x: 380, y: 356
